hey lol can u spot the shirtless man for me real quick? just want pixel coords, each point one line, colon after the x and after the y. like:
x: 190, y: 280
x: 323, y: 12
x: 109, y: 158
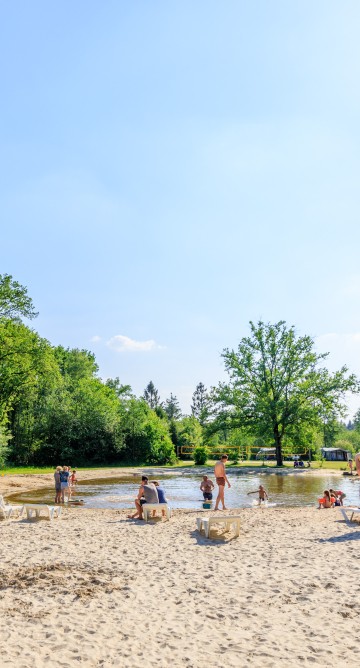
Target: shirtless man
x: 207, y: 487
x: 221, y: 479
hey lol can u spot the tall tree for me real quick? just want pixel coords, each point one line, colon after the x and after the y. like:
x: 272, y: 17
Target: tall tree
x: 151, y: 395
x: 200, y: 407
x: 172, y: 408
x: 276, y: 384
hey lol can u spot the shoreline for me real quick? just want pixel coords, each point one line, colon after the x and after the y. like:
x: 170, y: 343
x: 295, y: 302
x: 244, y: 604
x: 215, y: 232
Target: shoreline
x: 16, y: 483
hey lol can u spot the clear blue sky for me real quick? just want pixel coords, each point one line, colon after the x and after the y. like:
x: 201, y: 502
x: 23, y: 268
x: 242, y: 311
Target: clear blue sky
x: 172, y: 170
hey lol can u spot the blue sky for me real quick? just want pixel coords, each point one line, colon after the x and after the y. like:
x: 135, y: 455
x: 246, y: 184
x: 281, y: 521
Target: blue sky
x: 172, y: 170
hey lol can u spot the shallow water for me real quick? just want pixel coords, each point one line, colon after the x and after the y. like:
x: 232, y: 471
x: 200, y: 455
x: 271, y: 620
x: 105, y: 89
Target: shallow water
x: 182, y: 490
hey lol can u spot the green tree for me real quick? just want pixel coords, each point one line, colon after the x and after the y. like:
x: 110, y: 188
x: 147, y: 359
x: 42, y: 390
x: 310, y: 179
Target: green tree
x: 147, y: 439
x: 151, y: 395
x: 172, y: 408
x: 201, y: 404
x: 122, y: 391
x: 276, y: 385
x: 14, y: 300
x: 189, y: 432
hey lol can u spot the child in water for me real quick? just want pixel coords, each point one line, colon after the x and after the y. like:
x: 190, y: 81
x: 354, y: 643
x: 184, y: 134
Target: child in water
x: 263, y: 495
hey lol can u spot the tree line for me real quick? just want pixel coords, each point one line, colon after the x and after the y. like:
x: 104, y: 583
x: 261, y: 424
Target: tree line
x: 55, y: 408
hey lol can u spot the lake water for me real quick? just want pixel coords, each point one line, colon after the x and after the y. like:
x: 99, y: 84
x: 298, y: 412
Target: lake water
x: 182, y: 489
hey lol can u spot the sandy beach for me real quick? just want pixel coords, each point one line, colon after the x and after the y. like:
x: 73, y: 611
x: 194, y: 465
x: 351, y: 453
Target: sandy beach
x: 95, y: 589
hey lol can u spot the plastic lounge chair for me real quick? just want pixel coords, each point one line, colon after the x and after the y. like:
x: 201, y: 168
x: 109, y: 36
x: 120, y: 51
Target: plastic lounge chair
x: 8, y: 510
x: 38, y: 508
x: 348, y: 509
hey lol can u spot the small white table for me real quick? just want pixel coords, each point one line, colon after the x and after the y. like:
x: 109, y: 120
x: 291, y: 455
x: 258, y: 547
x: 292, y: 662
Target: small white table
x: 148, y: 507
x: 207, y: 522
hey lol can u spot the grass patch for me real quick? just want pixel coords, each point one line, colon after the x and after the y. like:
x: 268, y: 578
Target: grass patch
x: 188, y: 463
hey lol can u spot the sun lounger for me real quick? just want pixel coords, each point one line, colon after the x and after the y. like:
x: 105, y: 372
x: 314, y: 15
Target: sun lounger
x: 7, y: 510
x: 348, y: 509
x: 207, y: 522
x: 149, y: 507
x: 37, y: 508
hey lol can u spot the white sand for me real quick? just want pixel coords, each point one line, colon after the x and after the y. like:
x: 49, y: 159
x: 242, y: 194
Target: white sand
x: 95, y: 589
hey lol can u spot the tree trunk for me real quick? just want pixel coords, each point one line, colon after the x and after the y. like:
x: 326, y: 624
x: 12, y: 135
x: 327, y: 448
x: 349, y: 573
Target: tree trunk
x: 277, y: 439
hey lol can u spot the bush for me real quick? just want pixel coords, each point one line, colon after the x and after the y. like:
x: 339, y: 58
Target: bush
x: 201, y: 454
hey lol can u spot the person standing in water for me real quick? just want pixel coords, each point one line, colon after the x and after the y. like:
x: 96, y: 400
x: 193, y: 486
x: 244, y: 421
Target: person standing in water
x: 221, y: 480
x: 207, y: 487
x: 263, y: 495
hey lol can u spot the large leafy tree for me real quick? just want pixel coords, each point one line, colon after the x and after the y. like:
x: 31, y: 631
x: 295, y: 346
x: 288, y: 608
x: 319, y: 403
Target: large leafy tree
x: 14, y: 300
x: 277, y: 385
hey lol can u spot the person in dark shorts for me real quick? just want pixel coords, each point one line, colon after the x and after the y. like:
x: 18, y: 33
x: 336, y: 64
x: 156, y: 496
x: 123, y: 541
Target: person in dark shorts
x: 207, y: 487
x: 57, y: 484
x: 147, y: 494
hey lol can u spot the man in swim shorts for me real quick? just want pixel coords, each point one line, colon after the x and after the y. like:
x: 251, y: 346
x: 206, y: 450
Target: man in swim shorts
x: 207, y: 487
x: 221, y: 479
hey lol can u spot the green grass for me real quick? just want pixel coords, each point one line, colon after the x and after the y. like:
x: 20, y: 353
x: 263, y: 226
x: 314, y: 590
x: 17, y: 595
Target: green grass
x: 253, y: 463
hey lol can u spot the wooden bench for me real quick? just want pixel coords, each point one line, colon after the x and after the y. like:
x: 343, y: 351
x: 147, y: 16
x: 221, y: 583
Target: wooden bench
x: 207, y: 522
x: 38, y: 508
x: 149, y: 507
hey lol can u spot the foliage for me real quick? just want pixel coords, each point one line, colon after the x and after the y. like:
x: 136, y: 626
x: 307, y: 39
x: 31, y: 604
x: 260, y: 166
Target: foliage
x: 201, y: 455
x: 201, y: 403
x: 189, y: 433
x: 4, y: 439
x: 172, y: 408
x: 276, y: 385
x: 146, y: 436
x: 151, y: 395
x: 14, y: 300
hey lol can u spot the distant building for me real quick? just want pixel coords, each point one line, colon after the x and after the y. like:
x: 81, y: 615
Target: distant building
x: 336, y: 454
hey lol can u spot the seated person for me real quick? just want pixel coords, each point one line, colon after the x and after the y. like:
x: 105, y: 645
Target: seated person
x: 147, y: 494
x: 161, y: 497
x: 206, y: 487
x: 327, y: 501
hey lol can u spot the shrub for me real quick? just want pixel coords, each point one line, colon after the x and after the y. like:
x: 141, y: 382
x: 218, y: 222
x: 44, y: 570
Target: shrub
x: 201, y: 454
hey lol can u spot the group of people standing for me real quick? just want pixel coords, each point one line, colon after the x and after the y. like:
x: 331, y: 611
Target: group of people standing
x: 65, y: 481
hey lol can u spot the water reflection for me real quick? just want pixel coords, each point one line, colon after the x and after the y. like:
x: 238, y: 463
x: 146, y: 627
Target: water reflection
x: 182, y: 490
